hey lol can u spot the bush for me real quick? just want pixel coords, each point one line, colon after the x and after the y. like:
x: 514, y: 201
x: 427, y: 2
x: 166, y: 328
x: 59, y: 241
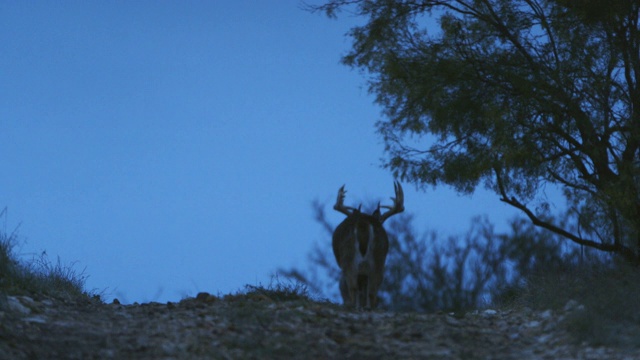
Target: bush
x: 423, y: 272
x: 430, y: 273
x: 606, y: 310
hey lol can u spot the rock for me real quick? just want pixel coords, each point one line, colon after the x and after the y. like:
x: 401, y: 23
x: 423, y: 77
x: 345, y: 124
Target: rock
x: 451, y: 320
x: 546, y: 315
x: 532, y: 323
x: 489, y: 312
x: 36, y: 319
x: 16, y: 305
x: 545, y: 338
x: 573, y: 305
x: 203, y: 328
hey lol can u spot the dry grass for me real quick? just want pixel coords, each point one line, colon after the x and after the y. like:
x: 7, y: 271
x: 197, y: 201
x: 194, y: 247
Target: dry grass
x: 276, y: 291
x: 38, y: 276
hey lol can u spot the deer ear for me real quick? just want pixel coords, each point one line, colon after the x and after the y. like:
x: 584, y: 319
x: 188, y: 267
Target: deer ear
x: 376, y: 213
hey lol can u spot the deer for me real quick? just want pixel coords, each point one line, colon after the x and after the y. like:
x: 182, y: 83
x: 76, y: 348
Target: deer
x: 360, y: 245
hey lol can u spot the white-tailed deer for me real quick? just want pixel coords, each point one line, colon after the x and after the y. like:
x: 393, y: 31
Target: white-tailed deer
x: 360, y: 245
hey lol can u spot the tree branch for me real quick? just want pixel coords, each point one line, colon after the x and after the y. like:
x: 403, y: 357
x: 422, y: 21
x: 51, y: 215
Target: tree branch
x: 616, y: 247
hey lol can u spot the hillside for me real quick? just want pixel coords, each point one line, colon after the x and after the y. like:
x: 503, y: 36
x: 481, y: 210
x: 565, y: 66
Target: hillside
x: 256, y: 325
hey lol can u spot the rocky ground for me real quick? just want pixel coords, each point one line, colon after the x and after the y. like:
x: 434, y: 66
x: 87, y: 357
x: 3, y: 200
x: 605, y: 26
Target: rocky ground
x: 254, y: 326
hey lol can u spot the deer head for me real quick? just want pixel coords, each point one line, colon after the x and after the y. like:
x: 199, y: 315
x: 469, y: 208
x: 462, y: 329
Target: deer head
x: 360, y: 245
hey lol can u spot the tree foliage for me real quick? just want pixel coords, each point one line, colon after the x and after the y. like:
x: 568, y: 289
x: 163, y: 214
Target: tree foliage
x: 513, y: 95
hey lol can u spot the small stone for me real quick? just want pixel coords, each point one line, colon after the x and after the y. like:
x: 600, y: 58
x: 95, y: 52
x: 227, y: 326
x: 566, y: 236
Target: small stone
x: 533, y: 323
x: 573, y: 305
x: 16, y: 305
x: 169, y: 348
x: 452, y: 321
x: 27, y: 301
x: 489, y: 312
x: 547, y: 314
x: 35, y: 319
x: 544, y: 339
x: 513, y: 336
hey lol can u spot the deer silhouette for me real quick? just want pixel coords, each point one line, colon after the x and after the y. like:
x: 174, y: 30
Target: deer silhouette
x: 360, y: 245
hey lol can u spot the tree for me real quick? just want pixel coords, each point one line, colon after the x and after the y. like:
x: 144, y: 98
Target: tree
x: 515, y: 95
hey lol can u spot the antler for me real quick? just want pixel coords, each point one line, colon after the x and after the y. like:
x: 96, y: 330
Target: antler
x: 339, y: 206
x: 398, y: 203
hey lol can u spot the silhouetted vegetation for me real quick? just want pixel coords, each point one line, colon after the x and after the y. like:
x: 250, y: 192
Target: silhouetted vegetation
x: 514, y: 96
x: 426, y: 272
x: 524, y: 267
x: 599, y: 300
x: 277, y: 290
x: 517, y: 97
x: 38, y: 276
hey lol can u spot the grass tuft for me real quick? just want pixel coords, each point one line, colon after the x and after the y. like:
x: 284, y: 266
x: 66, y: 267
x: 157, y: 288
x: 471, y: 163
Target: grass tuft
x: 39, y: 276
x: 276, y: 291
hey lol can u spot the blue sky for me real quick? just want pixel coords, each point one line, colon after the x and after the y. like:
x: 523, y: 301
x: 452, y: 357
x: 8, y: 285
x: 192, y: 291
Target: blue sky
x: 172, y: 147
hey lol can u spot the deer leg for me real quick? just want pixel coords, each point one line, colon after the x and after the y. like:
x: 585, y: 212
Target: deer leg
x: 351, y: 289
x: 355, y: 299
x: 354, y: 290
x: 367, y: 293
x: 371, y: 300
x: 344, y: 290
x: 372, y: 290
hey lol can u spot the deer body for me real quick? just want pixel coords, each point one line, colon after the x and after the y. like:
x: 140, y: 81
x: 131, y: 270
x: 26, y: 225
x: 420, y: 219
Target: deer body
x: 360, y: 245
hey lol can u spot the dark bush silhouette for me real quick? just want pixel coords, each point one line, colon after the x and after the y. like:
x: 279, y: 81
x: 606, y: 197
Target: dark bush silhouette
x: 427, y: 272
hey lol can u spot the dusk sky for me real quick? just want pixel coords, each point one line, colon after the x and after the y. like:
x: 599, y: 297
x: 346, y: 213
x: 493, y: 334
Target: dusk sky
x: 173, y: 147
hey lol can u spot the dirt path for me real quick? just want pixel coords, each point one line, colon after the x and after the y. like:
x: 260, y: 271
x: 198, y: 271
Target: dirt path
x: 255, y: 327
